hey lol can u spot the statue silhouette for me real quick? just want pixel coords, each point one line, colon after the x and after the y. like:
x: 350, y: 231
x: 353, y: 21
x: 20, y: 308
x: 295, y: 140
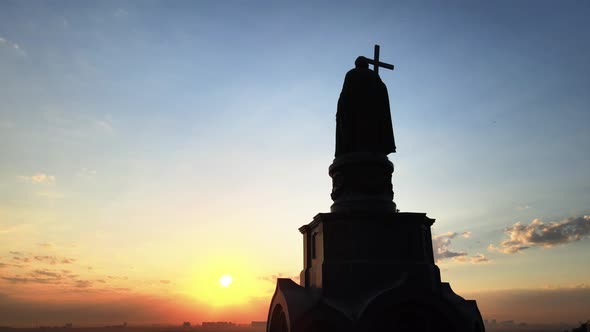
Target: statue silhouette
x: 367, y: 266
x: 363, y: 119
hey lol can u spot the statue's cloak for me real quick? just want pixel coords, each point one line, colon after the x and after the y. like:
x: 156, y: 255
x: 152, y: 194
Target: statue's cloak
x: 363, y: 119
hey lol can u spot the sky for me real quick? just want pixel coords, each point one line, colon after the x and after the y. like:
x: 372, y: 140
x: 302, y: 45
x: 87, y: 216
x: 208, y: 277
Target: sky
x: 150, y: 147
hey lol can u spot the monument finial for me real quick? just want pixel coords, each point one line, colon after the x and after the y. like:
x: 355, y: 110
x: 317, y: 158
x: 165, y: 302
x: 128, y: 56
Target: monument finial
x: 375, y: 62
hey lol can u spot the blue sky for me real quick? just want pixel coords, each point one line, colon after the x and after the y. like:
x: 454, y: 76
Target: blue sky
x: 126, y: 127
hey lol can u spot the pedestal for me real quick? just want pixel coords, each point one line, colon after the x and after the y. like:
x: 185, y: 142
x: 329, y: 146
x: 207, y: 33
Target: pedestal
x: 368, y: 267
x: 361, y: 181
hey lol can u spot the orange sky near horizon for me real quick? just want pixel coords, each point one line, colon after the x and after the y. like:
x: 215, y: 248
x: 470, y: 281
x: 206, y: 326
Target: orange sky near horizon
x: 147, y: 148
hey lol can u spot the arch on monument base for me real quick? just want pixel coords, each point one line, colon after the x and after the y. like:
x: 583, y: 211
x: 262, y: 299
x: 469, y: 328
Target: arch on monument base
x: 278, y: 320
x: 401, y: 310
x: 319, y: 317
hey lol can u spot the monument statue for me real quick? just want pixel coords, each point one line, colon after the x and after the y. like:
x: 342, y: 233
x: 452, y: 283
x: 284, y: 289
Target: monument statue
x: 367, y: 267
x: 361, y: 172
x: 363, y: 119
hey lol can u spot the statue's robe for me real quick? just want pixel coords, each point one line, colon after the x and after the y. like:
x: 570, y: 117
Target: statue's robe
x: 363, y: 119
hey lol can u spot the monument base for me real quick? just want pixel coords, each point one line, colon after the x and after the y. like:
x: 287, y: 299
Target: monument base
x: 401, y: 307
x: 369, y: 271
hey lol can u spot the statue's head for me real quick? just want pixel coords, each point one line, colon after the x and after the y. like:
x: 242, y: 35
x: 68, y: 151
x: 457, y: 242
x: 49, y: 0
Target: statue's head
x: 361, y: 62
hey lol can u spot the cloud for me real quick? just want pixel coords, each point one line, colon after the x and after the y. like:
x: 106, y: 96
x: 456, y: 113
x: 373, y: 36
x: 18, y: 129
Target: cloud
x: 5, y: 42
x: 479, y: 258
x: 441, y: 245
x: 51, y: 277
x: 539, y: 234
x: 21, y: 259
x: 39, y: 178
x: 54, y: 260
x: 46, y: 273
x: 165, y: 281
x: 117, y: 278
x: 83, y: 283
x: 34, y: 280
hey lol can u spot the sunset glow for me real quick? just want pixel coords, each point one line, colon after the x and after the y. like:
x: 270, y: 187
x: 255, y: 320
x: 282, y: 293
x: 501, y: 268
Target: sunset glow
x: 225, y: 280
x: 157, y: 159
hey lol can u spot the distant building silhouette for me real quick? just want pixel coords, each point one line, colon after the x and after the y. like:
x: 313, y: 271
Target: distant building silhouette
x: 218, y: 325
x: 186, y: 324
x: 258, y: 324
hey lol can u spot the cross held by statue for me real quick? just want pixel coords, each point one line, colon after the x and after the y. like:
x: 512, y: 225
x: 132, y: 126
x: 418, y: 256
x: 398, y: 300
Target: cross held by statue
x: 376, y: 64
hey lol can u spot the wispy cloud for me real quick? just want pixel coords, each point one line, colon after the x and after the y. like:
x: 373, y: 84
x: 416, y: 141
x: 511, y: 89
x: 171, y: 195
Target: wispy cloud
x: 83, y: 283
x: 64, y: 278
x: 479, y: 258
x: 38, y: 276
x: 39, y: 178
x: 47, y: 273
x: 117, y: 277
x: 441, y: 245
x: 5, y: 42
x: 27, y: 280
x: 540, y: 234
x: 53, y: 260
x: 21, y: 259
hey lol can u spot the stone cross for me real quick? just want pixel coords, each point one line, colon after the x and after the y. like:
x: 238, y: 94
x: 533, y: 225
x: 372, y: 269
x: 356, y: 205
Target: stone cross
x: 376, y: 64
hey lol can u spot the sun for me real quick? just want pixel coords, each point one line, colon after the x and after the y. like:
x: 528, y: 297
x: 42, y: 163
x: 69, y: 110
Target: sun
x: 225, y: 280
